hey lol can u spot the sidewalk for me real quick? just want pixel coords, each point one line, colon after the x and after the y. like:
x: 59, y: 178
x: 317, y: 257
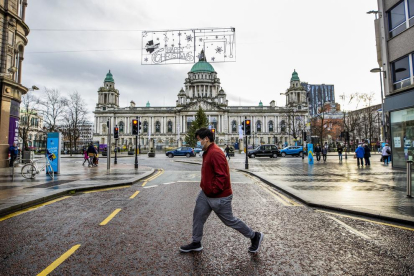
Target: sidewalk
x: 22, y: 193
x: 376, y: 191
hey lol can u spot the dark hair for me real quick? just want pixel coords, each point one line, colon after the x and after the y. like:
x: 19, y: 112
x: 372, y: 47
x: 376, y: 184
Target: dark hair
x: 203, y: 133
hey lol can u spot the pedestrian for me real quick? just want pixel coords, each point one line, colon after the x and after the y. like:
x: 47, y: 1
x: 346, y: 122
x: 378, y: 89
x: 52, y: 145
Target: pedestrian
x: 359, y: 154
x: 216, y: 195
x: 85, y: 156
x: 386, y: 152
x: 227, y: 149
x: 324, y: 152
x: 318, y: 151
x: 92, y: 153
x: 340, y: 149
x: 14, y: 152
x: 367, y: 155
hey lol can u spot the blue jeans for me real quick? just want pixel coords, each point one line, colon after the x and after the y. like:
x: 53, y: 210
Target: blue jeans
x: 340, y: 156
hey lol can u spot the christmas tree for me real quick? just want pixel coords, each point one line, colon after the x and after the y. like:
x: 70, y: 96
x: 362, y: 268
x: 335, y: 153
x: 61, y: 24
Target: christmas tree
x: 199, y: 122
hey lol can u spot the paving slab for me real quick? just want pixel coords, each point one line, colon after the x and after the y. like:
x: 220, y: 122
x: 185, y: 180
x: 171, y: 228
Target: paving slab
x: 18, y: 193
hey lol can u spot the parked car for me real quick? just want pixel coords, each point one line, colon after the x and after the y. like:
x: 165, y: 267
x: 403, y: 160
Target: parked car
x: 292, y: 150
x: 183, y: 151
x: 197, y: 150
x: 264, y: 150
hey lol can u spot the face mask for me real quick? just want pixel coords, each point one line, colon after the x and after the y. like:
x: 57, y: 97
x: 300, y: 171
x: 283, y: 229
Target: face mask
x: 198, y: 143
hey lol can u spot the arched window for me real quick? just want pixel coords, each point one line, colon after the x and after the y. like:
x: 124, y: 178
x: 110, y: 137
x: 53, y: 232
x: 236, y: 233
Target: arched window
x: 271, y: 126
x: 145, y: 126
x: 170, y: 127
x: 283, y: 126
x: 258, y: 126
x: 234, y: 126
x: 121, y: 127
x: 157, y: 127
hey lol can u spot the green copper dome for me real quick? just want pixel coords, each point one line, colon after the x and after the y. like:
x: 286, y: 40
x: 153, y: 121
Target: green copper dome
x: 109, y: 77
x: 261, y: 104
x: 202, y: 66
x: 295, y: 76
x: 148, y: 104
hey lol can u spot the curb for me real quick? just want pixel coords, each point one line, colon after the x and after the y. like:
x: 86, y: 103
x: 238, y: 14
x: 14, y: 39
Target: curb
x: 19, y: 207
x: 327, y: 207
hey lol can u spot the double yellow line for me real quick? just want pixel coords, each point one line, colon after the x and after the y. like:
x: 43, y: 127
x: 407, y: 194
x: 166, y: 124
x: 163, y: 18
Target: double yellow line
x: 160, y: 172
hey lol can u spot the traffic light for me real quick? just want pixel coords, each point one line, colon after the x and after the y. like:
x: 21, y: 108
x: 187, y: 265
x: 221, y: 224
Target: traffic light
x: 242, y: 126
x: 213, y: 130
x: 247, y: 127
x: 139, y: 126
x: 116, y: 132
x: 304, y: 136
x: 134, y: 127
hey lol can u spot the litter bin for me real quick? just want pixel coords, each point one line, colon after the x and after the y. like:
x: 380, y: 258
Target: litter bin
x: 27, y: 156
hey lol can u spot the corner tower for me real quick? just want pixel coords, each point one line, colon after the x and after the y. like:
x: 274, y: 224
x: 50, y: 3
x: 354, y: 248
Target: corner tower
x: 296, y: 94
x: 108, y: 96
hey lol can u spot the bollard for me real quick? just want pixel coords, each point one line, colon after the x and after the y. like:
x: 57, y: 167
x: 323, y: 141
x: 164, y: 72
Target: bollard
x: 409, y: 179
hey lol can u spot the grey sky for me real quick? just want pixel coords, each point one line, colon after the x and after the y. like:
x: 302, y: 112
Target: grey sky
x: 330, y: 42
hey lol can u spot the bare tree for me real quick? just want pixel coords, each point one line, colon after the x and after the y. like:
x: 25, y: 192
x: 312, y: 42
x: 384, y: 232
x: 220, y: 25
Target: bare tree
x: 29, y: 117
x: 74, y: 119
x: 295, y: 123
x: 323, y: 121
x: 53, y: 108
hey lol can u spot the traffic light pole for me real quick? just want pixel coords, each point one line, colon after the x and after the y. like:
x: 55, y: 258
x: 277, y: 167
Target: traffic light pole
x: 303, y: 145
x: 108, y: 148
x: 136, y: 148
x: 116, y: 149
x: 246, y: 164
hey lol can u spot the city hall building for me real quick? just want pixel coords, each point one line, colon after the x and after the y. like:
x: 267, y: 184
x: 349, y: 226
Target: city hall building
x: 167, y: 126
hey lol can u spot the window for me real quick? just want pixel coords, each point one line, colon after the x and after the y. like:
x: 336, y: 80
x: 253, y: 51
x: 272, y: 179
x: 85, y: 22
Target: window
x: 20, y: 8
x: 396, y: 18
x: 411, y: 11
x: 234, y: 126
x: 270, y: 126
x: 157, y: 127
x: 401, y: 72
x: 170, y: 126
x: 145, y: 126
x: 283, y: 126
x: 259, y: 126
x: 121, y: 127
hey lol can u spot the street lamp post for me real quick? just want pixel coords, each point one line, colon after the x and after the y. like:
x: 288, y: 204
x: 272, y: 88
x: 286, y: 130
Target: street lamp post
x: 383, y: 130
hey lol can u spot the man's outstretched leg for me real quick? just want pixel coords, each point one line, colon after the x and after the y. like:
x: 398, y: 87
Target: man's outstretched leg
x: 202, y: 211
x: 223, y: 209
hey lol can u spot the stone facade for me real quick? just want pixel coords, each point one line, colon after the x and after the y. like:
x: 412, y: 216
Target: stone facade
x: 167, y: 126
x: 13, y: 39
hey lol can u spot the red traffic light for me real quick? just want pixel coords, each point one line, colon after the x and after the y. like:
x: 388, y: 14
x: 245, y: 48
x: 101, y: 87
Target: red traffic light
x: 247, y: 122
x: 116, y: 129
x: 135, y: 122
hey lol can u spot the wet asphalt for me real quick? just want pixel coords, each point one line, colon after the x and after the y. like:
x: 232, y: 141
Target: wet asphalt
x: 144, y: 237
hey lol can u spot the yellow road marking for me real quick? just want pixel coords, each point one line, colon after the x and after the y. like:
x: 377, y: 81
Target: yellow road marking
x: 106, y: 189
x: 32, y: 208
x: 134, y: 195
x: 373, y: 221
x: 61, y: 259
x: 143, y: 184
x: 161, y: 171
x: 111, y: 216
x: 294, y: 203
x: 276, y: 197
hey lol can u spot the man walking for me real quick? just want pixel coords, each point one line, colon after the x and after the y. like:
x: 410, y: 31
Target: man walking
x: 324, y: 152
x: 216, y: 195
x: 340, y: 150
x: 367, y: 155
x: 359, y: 153
x: 318, y: 151
x: 227, y: 149
x: 14, y: 151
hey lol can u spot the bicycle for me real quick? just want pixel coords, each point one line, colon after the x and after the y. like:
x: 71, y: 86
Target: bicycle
x: 30, y: 170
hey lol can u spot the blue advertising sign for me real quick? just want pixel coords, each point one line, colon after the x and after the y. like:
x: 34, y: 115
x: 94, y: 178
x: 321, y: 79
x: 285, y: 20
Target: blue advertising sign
x: 54, y: 147
x: 310, y: 153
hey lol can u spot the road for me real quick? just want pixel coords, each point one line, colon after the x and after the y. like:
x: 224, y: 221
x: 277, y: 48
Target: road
x: 137, y: 230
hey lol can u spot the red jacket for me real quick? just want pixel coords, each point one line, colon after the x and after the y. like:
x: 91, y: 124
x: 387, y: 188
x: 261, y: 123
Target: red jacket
x: 215, y: 174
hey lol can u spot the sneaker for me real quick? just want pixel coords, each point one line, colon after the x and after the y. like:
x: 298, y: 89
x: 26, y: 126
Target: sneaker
x: 256, y: 241
x: 194, y: 246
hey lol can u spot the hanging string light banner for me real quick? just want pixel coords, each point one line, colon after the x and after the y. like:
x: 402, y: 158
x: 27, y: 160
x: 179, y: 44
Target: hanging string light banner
x: 184, y: 46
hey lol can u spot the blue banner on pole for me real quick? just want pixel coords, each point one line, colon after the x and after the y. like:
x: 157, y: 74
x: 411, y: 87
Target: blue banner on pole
x: 53, y: 146
x: 310, y: 153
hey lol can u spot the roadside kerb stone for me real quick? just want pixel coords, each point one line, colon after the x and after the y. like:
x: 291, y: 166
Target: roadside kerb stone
x: 5, y: 210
